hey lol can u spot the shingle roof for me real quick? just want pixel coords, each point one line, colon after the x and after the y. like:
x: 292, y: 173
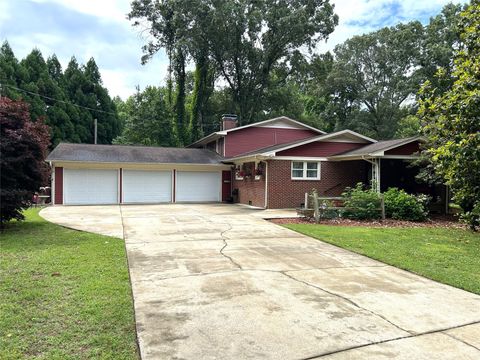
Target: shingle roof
x: 132, y: 154
x: 378, y: 146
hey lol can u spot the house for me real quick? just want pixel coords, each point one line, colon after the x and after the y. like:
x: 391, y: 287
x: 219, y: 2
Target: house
x: 269, y: 164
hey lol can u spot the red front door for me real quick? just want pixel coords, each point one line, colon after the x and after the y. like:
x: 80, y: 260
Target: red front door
x: 226, y: 185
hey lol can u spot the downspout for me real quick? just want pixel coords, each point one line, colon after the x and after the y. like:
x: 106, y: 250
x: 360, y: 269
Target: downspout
x: 266, y: 185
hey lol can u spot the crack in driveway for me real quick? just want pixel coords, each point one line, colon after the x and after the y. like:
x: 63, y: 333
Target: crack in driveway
x: 438, y: 331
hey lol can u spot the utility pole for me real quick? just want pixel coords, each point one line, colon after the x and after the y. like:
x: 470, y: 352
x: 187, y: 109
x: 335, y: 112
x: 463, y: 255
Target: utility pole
x: 95, y: 131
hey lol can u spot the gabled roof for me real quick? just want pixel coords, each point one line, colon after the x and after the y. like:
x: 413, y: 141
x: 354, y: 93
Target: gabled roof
x: 272, y: 150
x: 376, y: 149
x: 132, y: 154
x: 265, y: 123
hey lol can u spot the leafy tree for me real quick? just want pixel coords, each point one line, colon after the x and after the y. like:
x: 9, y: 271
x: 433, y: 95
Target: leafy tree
x: 23, y: 148
x: 244, y: 40
x: 374, y: 76
x: 451, y: 119
x: 147, y: 119
x: 408, y: 126
x: 439, y: 43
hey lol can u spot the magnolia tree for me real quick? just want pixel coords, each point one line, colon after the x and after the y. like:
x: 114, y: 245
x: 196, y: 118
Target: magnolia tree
x: 451, y: 120
x: 23, y: 147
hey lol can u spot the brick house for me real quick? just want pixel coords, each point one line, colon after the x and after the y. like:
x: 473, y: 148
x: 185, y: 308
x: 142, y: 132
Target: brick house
x: 269, y: 164
x: 275, y: 162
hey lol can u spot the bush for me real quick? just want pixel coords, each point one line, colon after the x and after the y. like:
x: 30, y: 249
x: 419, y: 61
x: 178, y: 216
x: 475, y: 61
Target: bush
x: 23, y: 147
x: 361, y: 203
x: 402, y: 206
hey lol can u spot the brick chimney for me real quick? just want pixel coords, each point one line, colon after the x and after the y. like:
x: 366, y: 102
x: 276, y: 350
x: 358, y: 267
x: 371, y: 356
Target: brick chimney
x: 229, y: 121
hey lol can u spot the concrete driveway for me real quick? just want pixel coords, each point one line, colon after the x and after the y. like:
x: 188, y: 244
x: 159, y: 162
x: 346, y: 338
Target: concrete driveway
x: 219, y: 282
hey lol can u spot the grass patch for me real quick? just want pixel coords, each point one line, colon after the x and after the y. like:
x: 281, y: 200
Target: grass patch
x: 450, y: 256
x: 65, y: 294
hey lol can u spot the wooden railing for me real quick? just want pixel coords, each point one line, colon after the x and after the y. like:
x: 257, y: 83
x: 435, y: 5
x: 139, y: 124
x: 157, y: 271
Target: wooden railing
x: 322, y: 205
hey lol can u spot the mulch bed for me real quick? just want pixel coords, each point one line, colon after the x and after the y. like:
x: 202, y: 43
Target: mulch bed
x: 435, y: 221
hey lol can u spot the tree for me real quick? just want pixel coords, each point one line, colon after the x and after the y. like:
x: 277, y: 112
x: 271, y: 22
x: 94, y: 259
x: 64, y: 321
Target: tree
x: 147, y: 119
x: 451, y: 120
x: 408, y: 126
x: 23, y: 148
x: 244, y: 40
x: 374, y: 76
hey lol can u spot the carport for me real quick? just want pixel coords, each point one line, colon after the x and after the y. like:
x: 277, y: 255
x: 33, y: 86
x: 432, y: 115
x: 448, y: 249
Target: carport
x: 392, y: 164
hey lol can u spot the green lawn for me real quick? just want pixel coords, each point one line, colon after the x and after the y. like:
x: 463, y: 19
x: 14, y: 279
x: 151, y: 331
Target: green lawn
x: 64, y: 294
x: 450, y: 256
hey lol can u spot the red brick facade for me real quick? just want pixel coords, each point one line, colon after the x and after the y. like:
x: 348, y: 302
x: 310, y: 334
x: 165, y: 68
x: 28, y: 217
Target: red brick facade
x: 251, y: 191
x: 283, y: 192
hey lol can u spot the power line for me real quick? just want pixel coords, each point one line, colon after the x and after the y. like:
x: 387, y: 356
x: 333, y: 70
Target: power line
x: 52, y: 99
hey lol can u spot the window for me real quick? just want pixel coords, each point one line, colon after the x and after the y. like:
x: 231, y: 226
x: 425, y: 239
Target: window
x: 305, y: 170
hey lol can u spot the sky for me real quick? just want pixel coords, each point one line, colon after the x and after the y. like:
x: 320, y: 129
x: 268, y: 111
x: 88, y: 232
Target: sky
x: 99, y: 29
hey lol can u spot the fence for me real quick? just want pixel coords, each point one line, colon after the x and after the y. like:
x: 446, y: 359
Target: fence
x: 324, y: 205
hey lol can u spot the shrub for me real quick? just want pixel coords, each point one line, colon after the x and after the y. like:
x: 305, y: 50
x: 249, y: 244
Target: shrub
x: 402, y: 206
x: 361, y: 203
x: 23, y: 147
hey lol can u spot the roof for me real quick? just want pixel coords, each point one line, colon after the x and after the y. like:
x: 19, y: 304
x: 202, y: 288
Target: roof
x: 218, y: 134
x: 132, y: 154
x: 377, y: 148
x: 270, y: 150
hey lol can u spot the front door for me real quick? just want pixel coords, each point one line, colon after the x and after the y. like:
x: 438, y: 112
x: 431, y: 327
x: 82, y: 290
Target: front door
x: 226, y: 185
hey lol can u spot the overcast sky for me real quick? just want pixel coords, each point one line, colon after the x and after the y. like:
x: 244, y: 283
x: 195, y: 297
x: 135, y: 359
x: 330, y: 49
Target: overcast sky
x: 99, y: 29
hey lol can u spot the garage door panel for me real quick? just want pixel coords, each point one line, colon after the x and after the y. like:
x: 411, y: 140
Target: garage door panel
x: 147, y: 186
x: 198, y: 186
x: 90, y: 186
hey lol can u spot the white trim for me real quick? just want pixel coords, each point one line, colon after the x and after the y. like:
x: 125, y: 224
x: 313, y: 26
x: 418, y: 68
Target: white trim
x: 266, y: 184
x: 285, y: 118
x: 299, y: 158
x: 305, y: 169
x: 401, y: 157
x: 134, y: 163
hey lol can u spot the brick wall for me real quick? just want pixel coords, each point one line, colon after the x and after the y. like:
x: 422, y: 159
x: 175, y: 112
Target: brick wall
x: 283, y: 192
x: 251, y: 190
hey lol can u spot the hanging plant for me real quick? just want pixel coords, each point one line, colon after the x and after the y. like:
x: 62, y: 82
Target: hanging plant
x: 259, y: 171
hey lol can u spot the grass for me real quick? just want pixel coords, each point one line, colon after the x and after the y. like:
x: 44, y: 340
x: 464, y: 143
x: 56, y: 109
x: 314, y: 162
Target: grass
x: 64, y: 294
x: 450, y: 256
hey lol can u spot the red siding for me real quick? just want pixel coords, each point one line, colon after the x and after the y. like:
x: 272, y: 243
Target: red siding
x: 226, y: 185
x: 320, y: 149
x: 407, y: 149
x: 252, y: 138
x: 283, y: 192
x: 121, y: 184
x: 59, y: 185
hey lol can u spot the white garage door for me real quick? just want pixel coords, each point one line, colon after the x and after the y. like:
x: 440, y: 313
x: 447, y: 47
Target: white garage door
x: 89, y: 186
x: 198, y: 186
x: 147, y: 186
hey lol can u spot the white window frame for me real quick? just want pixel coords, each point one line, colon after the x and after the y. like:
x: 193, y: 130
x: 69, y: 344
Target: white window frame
x: 304, y: 176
